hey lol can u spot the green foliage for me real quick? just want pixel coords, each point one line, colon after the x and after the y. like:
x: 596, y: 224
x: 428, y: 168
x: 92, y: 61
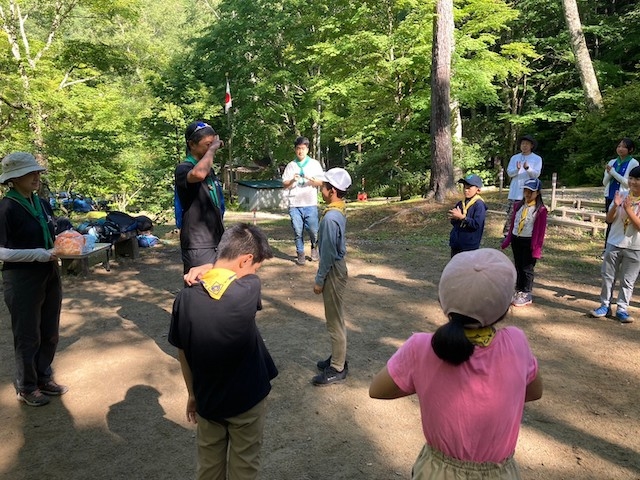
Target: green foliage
x: 107, y: 100
x: 592, y: 140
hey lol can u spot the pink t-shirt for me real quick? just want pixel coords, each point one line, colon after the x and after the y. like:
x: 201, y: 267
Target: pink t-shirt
x: 471, y: 412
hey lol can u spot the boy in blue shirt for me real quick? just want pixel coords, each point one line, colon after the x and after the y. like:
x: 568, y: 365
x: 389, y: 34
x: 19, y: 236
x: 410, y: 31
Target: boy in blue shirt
x: 467, y: 217
x: 331, y: 278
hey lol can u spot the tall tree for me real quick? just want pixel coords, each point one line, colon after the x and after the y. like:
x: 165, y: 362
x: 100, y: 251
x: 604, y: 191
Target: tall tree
x: 584, y: 65
x: 441, y: 183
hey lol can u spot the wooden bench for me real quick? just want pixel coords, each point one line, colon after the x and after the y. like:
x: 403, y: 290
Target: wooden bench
x: 79, y: 264
x: 593, y: 227
x: 581, y: 203
x: 587, y: 215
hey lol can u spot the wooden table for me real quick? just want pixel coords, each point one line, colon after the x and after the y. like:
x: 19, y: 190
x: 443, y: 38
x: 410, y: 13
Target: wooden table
x: 80, y: 263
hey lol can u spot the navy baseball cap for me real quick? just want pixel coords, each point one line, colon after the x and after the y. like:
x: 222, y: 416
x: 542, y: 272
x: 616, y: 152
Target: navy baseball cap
x: 472, y: 179
x: 533, y: 184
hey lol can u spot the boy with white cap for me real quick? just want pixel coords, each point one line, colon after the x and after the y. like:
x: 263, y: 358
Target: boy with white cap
x: 331, y: 278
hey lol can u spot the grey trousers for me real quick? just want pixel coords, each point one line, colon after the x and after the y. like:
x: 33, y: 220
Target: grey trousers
x: 624, y: 264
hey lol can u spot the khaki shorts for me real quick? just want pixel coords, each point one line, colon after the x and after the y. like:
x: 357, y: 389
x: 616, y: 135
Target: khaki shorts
x: 434, y: 465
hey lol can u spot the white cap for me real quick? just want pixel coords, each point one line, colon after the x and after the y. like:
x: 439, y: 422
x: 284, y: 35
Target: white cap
x: 337, y: 177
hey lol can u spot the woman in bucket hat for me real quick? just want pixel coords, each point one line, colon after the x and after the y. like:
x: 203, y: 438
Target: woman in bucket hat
x: 471, y: 379
x: 31, y: 278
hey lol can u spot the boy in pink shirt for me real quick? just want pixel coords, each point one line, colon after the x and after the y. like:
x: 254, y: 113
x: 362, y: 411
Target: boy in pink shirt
x: 472, y: 380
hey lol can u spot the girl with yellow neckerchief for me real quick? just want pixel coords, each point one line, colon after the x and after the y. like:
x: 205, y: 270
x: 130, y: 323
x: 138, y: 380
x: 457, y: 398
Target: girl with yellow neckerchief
x: 526, y: 237
x: 621, y: 258
x: 467, y: 217
x: 471, y: 378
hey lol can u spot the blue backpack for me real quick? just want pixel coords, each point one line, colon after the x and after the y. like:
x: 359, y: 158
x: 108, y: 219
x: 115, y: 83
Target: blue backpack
x: 177, y: 206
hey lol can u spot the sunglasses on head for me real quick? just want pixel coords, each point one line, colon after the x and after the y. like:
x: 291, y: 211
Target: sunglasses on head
x: 199, y: 126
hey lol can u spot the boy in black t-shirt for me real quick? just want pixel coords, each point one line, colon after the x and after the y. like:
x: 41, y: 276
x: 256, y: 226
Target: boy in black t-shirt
x: 225, y: 363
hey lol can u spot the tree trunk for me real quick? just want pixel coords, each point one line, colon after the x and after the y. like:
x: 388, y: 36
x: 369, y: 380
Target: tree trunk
x: 441, y: 182
x: 583, y: 59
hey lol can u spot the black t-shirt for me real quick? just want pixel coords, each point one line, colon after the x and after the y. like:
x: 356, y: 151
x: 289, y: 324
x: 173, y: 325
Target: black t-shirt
x: 229, y: 361
x: 202, y: 225
x: 20, y: 230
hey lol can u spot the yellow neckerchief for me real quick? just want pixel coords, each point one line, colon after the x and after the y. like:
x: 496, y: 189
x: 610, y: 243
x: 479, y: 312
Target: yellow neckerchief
x: 467, y: 206
x: 339, y: 205
x: 480, y: 336
x: 523, y: 216
x: 634, y: 203
x: 216, y: 281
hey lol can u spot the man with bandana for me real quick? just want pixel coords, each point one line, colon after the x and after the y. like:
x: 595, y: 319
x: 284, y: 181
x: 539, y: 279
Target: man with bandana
x: 300, y: 178
x: 199, y: 195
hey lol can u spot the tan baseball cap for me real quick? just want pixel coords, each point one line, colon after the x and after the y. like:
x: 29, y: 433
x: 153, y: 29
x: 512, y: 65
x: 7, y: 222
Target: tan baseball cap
x: 478, y: 284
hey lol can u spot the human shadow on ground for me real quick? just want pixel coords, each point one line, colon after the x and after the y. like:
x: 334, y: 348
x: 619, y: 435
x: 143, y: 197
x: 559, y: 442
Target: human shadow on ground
x: 141, y: 443
x: 141, y: 432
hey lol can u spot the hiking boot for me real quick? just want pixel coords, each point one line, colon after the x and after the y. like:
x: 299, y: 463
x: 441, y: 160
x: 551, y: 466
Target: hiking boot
x: 522, y: 299
x: 601, y: 311
x: 314, y: 255
x: 623, y: 317
x: 328, y: 376
x: 301, y: 259
x: 33, y: 399
x: 53, y: 389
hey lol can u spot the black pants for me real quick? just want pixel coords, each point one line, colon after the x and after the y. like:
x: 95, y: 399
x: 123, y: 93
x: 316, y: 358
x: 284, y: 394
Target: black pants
x: 524, y: 263
x: 194, y: 257
x: 33, y: 297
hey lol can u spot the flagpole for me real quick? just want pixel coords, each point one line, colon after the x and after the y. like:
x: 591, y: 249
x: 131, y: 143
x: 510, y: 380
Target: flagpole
x: 228, y: 103
x: 229, y: 125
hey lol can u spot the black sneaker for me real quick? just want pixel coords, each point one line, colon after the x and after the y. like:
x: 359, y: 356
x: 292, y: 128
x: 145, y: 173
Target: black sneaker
x: 323, y: 364
x: 33, y: 399
x: 328, y: 376
x: 52, y: 388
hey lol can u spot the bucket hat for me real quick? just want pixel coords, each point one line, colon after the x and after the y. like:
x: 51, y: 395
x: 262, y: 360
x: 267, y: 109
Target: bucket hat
x: 17, y: 164
x: 529, y: 138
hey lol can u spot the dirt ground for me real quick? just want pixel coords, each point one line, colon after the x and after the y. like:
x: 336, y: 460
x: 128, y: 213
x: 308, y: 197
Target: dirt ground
x: 123, y: 417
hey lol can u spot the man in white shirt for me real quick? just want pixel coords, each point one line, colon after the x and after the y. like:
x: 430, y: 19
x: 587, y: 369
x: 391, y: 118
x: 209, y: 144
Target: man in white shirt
x: 300, y: 178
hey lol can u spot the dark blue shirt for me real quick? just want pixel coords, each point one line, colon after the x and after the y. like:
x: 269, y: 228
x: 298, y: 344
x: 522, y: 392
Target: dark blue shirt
x: 466, y: 234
